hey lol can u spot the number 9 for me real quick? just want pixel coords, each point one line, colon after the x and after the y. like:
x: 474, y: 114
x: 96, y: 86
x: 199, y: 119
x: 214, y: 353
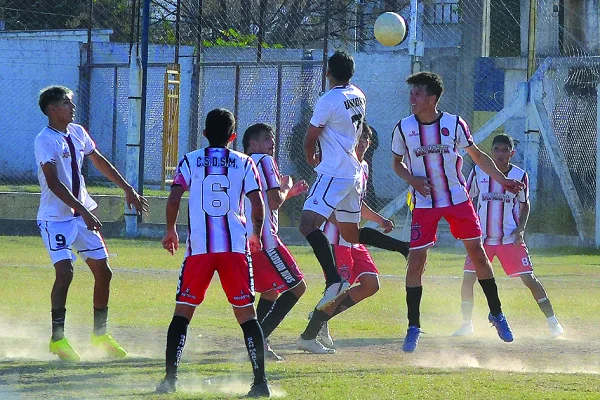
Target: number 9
x: 61, y: 241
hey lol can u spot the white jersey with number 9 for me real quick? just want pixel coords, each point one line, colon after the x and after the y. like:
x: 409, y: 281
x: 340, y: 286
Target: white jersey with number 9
x: 217, y: 179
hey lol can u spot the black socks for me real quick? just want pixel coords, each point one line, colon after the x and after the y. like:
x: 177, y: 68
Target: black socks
x: 58, y: 324
x: 176, y: 336
x: 491, y: 294
x: 375, y: 238
x: 413, y: 303
x: 322, y: 249
x: 253, y: 338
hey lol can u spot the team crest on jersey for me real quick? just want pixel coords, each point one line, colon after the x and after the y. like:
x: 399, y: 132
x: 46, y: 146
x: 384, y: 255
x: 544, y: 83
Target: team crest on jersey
x: 413, y: 133
x: 415, y: 232
x: 484, y: 180
x: 66, y: 153
x: 445, y: 131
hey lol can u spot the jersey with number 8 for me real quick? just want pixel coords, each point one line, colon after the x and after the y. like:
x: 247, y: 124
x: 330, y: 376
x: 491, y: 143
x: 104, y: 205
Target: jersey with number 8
x: 217, y: 179
x: 340, y: 112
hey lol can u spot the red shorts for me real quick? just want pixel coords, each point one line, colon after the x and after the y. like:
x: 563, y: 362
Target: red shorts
x: 514, y: 258
x: 464, y: 224
x: 275, y: 269
x: 352, y: 262
x: 234, y: 272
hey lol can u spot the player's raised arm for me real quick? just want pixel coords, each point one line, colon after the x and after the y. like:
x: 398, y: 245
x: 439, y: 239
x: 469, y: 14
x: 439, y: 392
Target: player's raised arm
x: 487, y: 165
x: 277, y: 196
x: 371, y: 215
x: 310, y: 145
x: 132, y: 198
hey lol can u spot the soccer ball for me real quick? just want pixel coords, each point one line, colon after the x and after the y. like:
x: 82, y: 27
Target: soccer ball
x: 390, y: 29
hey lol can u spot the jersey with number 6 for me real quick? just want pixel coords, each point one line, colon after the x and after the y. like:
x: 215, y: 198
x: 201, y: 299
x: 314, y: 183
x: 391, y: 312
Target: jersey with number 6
x: 340, y: 112
x: 217, y: 179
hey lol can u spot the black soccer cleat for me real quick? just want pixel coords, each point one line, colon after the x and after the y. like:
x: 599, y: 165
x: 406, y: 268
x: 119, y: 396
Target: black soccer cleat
x: 168, y: 385
x: 260, y: 389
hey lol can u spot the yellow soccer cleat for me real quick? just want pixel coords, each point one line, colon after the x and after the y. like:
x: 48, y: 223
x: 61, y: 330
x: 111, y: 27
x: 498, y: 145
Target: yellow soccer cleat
x: 63, y: 350
x: 109, y: 345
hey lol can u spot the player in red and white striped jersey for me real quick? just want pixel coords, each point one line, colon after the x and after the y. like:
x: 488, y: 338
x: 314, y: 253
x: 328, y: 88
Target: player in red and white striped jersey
x: 65, y: 215
x: 425, y: 147
x: 354, y: 264
x: 276, y: 275
x: 217, y: 179
x: 503, y: 216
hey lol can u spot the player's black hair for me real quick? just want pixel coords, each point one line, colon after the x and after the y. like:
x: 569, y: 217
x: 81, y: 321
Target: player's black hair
x: 504, y: 139
x: 341, y: 66
x: 220, y: 125
x: 253, y: 131
x: 366, y: 130
x: 432, y: 82
x: 53, y: 94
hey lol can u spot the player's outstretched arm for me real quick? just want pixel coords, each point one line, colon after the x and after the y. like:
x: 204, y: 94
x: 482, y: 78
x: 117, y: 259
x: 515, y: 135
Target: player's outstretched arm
x: 371, y: 215
x: 170, y: 240
x: 276, y: 197
x: 132, y: 198
x: 62, y: 192
x: 489, y: 167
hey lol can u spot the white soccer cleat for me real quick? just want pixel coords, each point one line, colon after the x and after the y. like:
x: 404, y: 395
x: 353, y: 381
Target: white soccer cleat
x: 332, y: 292
x: 556, y: 329
x: 465, y: 330
x: 313, y: 346
x: 324, y: 337
x: 270, y: 353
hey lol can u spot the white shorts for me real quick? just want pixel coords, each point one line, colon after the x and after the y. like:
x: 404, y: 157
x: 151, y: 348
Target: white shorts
x: 329, y: 194
x: 63, y: 238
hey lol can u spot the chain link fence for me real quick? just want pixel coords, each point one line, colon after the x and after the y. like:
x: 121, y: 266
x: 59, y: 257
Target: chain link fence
x: 264, y: 61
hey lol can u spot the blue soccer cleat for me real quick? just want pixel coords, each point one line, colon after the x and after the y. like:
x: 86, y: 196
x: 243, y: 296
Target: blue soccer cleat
x: 413, y: 333
x: 502, y: 327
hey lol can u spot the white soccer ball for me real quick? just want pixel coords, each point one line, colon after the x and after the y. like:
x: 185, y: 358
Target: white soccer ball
x: 390, y: 29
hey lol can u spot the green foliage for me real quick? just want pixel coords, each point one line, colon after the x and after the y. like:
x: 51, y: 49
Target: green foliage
x: 233, y: 38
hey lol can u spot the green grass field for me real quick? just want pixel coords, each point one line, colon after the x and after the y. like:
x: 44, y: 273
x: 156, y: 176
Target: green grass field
x: 368, y: 363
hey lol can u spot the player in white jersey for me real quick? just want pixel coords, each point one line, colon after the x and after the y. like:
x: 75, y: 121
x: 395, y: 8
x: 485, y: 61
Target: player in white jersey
x: 276, y: 275
x: 334, y: 128
x: 353, y: 262
x: 65, y: 215
x: 503, y: 216
x: 425, y: 147
x: 217, y: 179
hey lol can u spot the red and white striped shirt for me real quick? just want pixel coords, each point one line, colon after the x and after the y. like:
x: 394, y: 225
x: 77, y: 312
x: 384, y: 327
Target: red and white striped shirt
x: 270, y: 179
x: 497, y: 208
x: 217, y: 179
x: 431, y: 151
